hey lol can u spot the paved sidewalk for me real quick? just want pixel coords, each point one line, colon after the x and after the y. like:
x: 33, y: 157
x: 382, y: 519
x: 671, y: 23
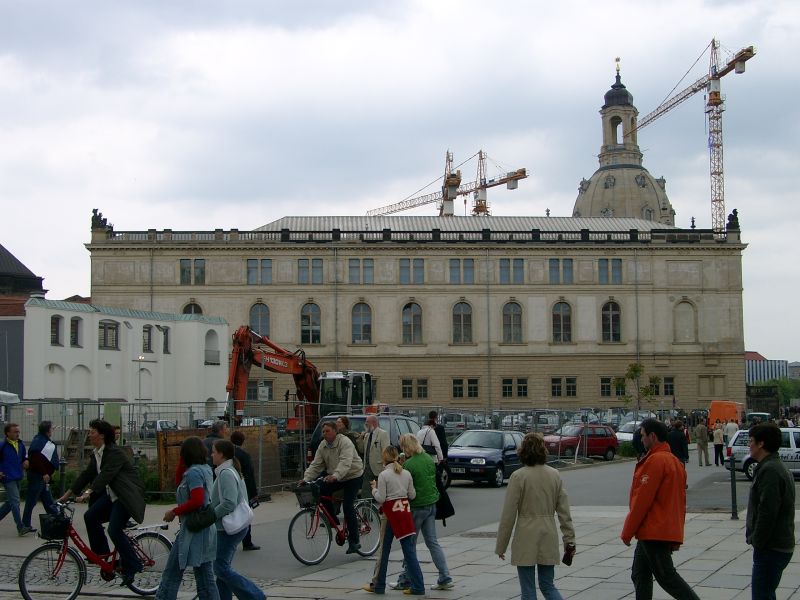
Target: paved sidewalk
x: 714, y: 559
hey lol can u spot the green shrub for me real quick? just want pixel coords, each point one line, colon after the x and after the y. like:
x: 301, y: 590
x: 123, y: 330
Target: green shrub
x: 626, y: 449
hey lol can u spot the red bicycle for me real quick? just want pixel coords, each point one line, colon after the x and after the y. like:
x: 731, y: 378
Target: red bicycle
x: 56, y: 569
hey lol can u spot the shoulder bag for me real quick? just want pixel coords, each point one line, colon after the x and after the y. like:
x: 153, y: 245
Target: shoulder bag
x: 429, y: 448
x: 201, y: 518
x: 241, y: 516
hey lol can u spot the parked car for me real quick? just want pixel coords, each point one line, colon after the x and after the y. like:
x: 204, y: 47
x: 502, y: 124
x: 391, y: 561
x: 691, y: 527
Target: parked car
x: 395, y: 424
x: 544, y: 422
x: 739, y: 448
x: 626, y: 431
x: 455, y: 423
x: 149, y: 428
x: 488, y: 455
x: 595, y: 440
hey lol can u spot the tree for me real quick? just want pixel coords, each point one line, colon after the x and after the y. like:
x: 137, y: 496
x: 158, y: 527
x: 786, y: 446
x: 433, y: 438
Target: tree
x: 634, y: 375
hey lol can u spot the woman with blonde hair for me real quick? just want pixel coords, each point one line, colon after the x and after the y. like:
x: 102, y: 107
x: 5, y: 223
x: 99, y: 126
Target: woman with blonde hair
x: 393, y: 489
x: 423, y: 508
x: 535, y: 493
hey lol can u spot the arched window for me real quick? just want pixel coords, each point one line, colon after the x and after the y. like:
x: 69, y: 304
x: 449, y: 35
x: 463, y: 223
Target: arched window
x: 512, y: 323
x: 147, y: 338
x: 412, y: 323
x: 192, y: 309
x: 684, y: 323
x: 75, y: 332
x: 362, y: 324
x: 310, y: 324
x: 108, y: 335
x: 462, y: 323
x: 562, y: 323
x: 259, y: 318
x: 611, y: 322
x: 55, y: 330
x: 211, y: 348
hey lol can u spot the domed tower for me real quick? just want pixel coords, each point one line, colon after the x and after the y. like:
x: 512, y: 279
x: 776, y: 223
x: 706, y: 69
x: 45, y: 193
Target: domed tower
x: 622, y: 187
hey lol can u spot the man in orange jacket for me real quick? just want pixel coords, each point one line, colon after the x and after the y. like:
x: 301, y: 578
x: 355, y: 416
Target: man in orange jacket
x: 656, y: 516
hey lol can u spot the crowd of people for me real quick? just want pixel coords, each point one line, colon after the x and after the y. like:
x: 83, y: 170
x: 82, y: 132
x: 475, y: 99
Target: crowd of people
x: 215, y: 476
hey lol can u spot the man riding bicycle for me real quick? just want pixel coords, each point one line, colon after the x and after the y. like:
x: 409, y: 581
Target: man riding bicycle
x: 115, y: 493
x: 337, y: 456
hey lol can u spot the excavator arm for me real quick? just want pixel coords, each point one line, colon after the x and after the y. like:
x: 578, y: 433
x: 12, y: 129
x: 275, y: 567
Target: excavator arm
x: 268, y: 355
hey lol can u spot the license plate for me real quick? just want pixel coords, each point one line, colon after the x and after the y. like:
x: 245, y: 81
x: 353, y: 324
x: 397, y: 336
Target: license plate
x: 457, y: 470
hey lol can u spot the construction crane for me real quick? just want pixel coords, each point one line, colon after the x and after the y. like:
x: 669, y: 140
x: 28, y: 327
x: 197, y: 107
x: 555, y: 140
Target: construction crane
x: 714, y: 108
x: 452, y: 187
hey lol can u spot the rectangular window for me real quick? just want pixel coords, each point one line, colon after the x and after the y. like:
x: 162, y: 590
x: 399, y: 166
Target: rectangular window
x: 472, y: 388
x: 566, y: 270
x: 412, y: 271
x: 259, y: 271
x: 422, y: 388
x: 75, y: 332
x: 655, y: 389
x: 407, y: 389
x: 186, y: 271
x: 458, y: 388
x: 555, y: 387
x: 572, y: 386
x: 165, y: 332
x: 609, y: 271
x: 309, y: 271
x: 55, y: 331
x: 619, y: 388
x: 511, y: 271
x: 252, y: 391
x: 462, y: 270
x: 108, y: 338
x: 302, y: 271
x: 522, y: 387
x: 560, y: 270
x: 147, y: 338
x: 605, y: 386
x: 669, y: 386
x: 360, y: 271
x: 316, y: 271
x: 507, y: 389
x: 199, y: 271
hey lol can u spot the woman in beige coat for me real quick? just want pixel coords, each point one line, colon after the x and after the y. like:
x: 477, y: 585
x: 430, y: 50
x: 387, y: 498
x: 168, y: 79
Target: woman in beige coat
x: 535, y: 494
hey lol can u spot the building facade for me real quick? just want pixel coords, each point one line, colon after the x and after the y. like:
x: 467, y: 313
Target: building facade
x: 759, y: 370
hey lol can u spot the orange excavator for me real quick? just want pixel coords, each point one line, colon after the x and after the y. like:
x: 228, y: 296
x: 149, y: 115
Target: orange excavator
x: 318, y: 393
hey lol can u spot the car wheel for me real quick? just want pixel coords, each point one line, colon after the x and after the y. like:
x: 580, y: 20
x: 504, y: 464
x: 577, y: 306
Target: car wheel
x: 568, y: 452
x: 445, y: 478
x: 609, y: 455
x: 499, y: 477
x: 749, y: 469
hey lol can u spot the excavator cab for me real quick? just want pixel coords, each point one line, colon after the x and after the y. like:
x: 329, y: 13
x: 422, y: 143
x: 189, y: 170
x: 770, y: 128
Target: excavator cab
x: 347, y: 392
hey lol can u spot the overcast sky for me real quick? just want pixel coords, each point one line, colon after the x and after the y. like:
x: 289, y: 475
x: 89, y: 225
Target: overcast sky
x: 199, y: 115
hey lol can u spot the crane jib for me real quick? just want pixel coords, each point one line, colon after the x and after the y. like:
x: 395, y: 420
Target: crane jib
x: 274, y: 361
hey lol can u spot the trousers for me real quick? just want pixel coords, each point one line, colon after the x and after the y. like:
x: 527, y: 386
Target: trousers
x: 654, y: 559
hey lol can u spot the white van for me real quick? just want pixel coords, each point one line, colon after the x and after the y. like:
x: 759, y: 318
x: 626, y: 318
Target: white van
x: 739, y: 448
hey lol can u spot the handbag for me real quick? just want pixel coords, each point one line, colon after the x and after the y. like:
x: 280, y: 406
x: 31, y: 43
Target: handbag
x: 241, y: 516
x: 444, y: 507
x: 429, y: 448
x: 201, y: 518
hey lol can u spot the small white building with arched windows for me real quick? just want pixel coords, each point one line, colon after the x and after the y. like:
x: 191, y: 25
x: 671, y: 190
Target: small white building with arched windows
x: 153, y: 362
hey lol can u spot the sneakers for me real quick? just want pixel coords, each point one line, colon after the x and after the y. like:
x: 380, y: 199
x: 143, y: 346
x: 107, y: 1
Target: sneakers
x: 447, y: 585
x: 25, y: 530
x: 397, y: 585
x: 409, y: 592
x: 353, y: 548
x: 371, y: 589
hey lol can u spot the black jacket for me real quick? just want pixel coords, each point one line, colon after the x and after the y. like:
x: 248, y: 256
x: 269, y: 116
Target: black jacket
x: 440, y: 434
x: 770, y: 510
x: 247, y: 471
x: 678, y: 444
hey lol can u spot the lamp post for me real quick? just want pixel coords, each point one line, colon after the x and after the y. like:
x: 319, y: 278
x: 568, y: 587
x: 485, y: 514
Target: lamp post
x: 139, y: 359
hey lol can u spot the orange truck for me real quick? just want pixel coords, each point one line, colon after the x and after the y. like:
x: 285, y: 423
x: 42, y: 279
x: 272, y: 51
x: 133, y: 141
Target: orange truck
x: 725, y: 410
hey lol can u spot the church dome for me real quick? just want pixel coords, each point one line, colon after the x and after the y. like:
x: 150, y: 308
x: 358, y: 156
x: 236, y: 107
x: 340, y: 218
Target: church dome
x: 618, y: 95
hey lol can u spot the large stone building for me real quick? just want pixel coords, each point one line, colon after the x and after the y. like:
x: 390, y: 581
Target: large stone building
x: 471, y: 311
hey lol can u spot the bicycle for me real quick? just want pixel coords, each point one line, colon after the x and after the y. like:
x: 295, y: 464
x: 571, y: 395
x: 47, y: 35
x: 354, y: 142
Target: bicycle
x: 310, y: 532
x: 56, y: 569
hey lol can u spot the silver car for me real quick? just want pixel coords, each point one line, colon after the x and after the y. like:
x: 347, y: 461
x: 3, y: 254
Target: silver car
x: 739, y: 449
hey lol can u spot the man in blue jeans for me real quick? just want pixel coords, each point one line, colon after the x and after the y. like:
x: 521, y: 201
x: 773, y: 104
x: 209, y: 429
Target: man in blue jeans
x: 43, y: 462
x: 13, y: 462
x: 770, y: 512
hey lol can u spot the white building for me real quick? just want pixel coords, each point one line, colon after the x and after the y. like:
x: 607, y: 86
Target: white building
x: 81, y: 352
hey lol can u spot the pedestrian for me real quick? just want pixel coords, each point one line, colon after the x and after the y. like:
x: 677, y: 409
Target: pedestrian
x: 719, y: 445
x: 427, y: 437
x: 438, y: 428
x: 656, y: 516
x: 393, y: 490
x: 42, y: 463
x: 770, y: 512
x: 343, y: 427
x: 13, y: 463
x: 701, y: 438
x: 248, y: 474
x: 374, y: 441
x: 191, y: 549
x: 217, y: 431
x: 677, y: 442
x: 226, y: 494
x: 730, y: 428
x: 423, y: 510
x: 115, y: 493
x: 534, y: 496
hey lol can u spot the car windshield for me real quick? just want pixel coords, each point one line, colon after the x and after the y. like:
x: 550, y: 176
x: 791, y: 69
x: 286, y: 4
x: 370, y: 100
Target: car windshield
x: 568, y: 430
x: 478, y: 439
x: 169, y: 425
x: 628, y: 428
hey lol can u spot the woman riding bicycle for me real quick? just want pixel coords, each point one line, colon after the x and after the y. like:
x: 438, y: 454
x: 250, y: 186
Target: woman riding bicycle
x: 115, y: 494
x: 337, y: 456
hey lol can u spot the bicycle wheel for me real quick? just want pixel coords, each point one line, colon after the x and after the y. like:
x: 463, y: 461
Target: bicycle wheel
x: 309, y: 537
x: 369, y: 528
x: 43, y: 576
x: 153, y: 550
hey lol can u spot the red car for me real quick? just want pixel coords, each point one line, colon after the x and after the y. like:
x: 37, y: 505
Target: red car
x: 600, y: 440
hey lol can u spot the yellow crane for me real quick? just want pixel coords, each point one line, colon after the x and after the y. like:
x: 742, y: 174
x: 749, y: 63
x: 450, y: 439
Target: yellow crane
x: 714, y: 108
x: 452, y: 188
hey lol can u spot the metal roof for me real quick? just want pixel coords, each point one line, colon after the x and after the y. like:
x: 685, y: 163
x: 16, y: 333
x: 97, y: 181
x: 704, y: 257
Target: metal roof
x: 122, y: 312
x: 461, y: 224
x: 11, y: 265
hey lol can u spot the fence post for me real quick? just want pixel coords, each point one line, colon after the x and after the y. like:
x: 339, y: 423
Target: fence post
x: 734, y: 509
x: 62, y: 474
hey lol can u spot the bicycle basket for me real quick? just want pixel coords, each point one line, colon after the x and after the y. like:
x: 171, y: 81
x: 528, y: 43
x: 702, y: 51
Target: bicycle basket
x: 307, y: 495
x: 53, y: 527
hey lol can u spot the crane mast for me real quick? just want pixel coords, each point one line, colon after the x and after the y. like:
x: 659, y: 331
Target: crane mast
x: 715, y: 106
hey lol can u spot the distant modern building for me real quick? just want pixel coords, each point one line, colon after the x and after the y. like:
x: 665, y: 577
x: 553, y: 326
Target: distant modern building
x: 483, y: 312
x: 88, y: 353
x: 759, y: 369
x: 794, y: 370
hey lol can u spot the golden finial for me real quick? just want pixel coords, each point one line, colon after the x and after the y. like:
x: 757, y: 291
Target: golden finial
x: 616, y: 60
